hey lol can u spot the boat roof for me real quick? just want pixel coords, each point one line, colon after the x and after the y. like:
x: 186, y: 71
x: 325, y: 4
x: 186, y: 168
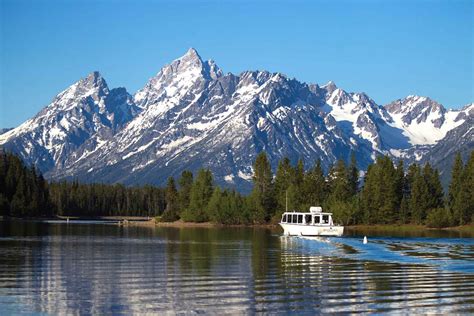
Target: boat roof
x: 306, y: 213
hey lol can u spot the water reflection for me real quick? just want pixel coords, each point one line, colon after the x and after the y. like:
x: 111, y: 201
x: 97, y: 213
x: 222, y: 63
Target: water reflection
x: 70, y: 269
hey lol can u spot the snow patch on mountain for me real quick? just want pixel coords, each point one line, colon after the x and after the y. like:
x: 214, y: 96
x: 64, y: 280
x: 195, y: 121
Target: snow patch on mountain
x: 423, y: 120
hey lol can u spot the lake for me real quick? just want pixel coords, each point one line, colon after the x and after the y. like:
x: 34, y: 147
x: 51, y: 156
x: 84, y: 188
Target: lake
x: 85, y: 268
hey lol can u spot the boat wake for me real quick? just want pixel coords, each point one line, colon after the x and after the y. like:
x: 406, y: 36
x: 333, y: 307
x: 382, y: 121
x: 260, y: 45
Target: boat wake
x: 450, y: 254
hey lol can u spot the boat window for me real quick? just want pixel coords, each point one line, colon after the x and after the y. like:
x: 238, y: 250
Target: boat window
x: 289, y: 218
x: 317, y: 219
x: 307, y: 219
x: 284, y: 219
x: 300, y: 219
x: 295, y: 218
x: 325, y: 219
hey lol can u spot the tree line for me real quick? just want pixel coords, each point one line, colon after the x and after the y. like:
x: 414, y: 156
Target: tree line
x: 25, y: 193
x: 387, y: 193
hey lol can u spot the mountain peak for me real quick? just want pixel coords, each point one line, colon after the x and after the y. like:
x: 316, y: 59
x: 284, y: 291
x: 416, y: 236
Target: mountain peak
x: 192, y: 52
x: 413, y: 103
x: 191, y: 56
x: 416, y: 98
x: 330, y: 86
x: 94, y: 79
x: 94, y: 75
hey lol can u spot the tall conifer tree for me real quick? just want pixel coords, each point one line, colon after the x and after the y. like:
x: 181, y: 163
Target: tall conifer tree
x: 454, y: 190
x: 314, y: 186
x: 184, y: 194
x: 171, y: 196
x: 283, y: 179
x: 262, y: 193
x: 201, y: 193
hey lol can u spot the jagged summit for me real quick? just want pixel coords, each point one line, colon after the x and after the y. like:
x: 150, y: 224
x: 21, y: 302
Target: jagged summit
x: 178, y: 78
x: 189, y: 60
x: 192, y: 60
x: 94, y: 76
x: 330, y: 86
x: 191, y: 54
x: 91, y: 81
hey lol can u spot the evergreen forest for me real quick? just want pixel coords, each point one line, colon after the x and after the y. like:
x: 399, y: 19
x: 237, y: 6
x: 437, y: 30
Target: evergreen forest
x: 387, y: 193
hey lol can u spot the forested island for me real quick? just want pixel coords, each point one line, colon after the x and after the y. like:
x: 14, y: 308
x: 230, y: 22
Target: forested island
x: 388, y: 193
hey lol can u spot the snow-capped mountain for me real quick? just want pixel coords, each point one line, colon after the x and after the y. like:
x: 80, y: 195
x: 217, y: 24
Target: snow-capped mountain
x: 85, y: 114
x: 192, y: 115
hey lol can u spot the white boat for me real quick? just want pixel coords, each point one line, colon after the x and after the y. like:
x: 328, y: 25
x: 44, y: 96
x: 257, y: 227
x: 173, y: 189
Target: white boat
x: 314, y: 223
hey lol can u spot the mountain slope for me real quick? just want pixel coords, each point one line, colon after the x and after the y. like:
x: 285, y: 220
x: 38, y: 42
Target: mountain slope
x: 460, y: 139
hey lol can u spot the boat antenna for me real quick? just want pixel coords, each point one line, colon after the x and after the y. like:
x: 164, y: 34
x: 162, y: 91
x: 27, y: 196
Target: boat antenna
x: 286, y: 200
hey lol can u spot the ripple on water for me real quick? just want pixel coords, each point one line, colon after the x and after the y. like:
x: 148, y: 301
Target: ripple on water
x: 122, y: 270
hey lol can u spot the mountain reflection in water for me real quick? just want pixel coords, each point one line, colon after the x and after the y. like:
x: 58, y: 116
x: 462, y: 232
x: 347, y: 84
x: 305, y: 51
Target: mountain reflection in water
x: 55, y: 268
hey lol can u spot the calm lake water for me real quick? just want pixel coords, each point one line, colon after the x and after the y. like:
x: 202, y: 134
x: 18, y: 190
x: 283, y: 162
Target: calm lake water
x: 59, y: 268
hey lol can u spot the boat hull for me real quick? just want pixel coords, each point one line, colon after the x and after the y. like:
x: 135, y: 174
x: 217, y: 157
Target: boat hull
x: 311, y: 230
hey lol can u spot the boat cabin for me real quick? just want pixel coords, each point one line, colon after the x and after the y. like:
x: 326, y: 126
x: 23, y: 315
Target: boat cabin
x: 314, y: 217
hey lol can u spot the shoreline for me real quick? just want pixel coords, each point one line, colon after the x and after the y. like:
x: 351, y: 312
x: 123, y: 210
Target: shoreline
x: 412, y: 227
x: 376, y: 227
x: 181, y: 224
x: 144, y: 221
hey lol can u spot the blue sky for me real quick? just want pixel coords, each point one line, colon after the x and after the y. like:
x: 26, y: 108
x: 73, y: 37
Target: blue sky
x: 388, y: 49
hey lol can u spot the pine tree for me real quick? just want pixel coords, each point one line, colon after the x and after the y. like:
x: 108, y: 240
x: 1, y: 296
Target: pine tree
x: 463, y: 204
x: 419, y: 199
x: 171, y: 195
x: 215, y: 207
x: 435, y: 189
x: 454, y: 191
x: 185, y: 184
x: 469, y: 187
x: 18, y: 205
x: 314, y: 186
x: 262, y: 193
x: 353, y: 175
x: 338, y: 179
x: 400, y: 186
x: 389, y: 198
x: 367, y: 196
x: 283, y: 178
x: 404, y: 210
x: 413, y: 171
x: 299, y: 198
x: 201, y: 193
x: 379, y: 197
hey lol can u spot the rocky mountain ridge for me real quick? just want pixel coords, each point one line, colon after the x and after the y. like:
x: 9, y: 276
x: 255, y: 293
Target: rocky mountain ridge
x: 192, y: 115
